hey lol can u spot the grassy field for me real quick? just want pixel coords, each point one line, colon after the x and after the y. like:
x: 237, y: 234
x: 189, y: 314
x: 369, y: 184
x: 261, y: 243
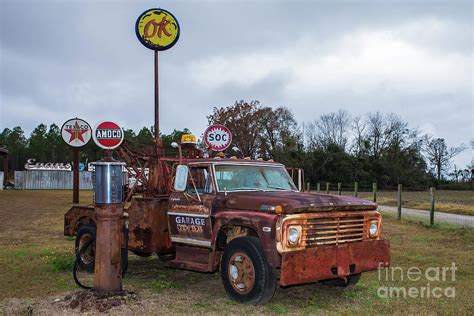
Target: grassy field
x: 455, y: 202
x: 35, y: 261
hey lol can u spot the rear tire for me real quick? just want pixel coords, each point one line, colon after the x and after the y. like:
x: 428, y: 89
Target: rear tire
x: 141, y: 254
x: 87, y: 259
x: 246, y: 276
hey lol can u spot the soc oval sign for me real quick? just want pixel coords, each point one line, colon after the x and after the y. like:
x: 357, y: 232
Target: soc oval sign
x: 218, y: 137
x: 108, y: 135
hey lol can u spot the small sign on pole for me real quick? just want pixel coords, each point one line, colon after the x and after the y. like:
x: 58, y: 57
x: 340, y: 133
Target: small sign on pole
x: 76, y: 133
x: 108, y: 135
x: 218, y: 137
x: 157, y: 29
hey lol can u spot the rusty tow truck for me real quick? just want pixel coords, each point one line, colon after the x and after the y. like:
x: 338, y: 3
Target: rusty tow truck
x: 243, y: 217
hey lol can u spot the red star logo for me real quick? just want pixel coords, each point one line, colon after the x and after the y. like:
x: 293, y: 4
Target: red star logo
x: 76, y: 132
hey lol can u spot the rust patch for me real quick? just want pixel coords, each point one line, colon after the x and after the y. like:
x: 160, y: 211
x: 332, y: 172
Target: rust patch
x: 327, y: 262
x: 148, y: 225
x: 190, y: 208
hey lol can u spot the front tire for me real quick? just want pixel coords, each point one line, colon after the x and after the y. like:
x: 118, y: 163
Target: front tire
x: 246, y: 276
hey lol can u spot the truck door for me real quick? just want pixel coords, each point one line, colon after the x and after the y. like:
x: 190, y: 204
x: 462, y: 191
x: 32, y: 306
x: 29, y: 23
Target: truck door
x: 189, y: 215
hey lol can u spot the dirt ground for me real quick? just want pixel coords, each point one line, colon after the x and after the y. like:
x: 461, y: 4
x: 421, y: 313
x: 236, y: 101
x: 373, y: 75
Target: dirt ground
x: 35, y: 277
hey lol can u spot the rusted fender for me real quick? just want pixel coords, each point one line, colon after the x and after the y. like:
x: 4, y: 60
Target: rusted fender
x: 76, y: 215
x: 263, y: 224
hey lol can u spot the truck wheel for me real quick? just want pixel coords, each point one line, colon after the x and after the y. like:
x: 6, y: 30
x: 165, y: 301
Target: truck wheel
x: 351, y: 281
x: 87, y: 262
x: 84, y: 234
x: 246, y: 276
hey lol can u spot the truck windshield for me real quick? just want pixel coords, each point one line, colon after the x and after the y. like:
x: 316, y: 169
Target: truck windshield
x: 253, y: 178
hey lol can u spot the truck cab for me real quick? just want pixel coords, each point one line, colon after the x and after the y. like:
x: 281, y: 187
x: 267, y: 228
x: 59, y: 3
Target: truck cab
x: 247, y: 219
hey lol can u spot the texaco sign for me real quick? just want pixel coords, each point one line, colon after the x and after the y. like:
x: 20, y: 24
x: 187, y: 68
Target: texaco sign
x: 76, y: 132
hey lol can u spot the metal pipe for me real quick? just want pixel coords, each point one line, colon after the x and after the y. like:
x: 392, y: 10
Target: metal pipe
x: 75, y: 177
x: 157, y: 102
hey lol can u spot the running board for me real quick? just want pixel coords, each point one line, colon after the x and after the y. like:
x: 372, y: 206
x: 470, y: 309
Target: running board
x: 192, y: 258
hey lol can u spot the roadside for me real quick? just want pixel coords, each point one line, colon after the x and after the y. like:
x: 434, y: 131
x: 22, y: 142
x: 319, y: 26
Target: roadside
x: 446, y: 201
x: 455, y: 219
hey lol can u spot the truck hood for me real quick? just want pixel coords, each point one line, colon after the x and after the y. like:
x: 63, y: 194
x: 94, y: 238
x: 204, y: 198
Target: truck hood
x: 292, y: 202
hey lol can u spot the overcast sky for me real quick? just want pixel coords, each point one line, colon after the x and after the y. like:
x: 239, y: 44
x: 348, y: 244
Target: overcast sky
x: 62, y: 59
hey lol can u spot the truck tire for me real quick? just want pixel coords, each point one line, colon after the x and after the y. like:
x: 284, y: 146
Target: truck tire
x: 351, y: 281
x: 87, y: 259
x: 84, y: 234
x: 246, y: 276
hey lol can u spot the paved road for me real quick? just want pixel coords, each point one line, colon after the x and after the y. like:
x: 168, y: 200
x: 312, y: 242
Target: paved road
x: 456, y: 219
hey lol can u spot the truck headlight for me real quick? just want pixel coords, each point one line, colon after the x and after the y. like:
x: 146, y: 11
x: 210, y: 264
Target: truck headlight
x: 294, y: 234
x: 373, y: 229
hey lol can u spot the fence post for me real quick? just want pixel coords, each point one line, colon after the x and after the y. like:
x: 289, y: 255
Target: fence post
x: 356, y: 188
x: 308, y: 186
x: 339, y: 188
x: 374, y: 190
x: 318, y: 187
x: 432, y: 205
x: 399, y: 202
x: 327, y: 187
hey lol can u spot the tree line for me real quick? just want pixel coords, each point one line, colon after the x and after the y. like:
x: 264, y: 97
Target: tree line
x: 334, y: 147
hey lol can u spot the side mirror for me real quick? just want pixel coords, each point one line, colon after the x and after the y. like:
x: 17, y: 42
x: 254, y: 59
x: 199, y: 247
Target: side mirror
x: 181, y: 178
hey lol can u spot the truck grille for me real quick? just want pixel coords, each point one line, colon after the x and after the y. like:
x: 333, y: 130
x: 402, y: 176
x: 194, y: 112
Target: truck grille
x: 333, y: 230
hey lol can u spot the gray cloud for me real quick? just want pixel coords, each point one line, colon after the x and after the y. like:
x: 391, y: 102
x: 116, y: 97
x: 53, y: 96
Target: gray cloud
x: 61, y: 59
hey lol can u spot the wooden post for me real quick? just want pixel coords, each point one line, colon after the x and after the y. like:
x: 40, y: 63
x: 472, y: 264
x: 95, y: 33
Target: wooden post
x: 75, y: 176
x: 318, y: 187
x: 327, y: 187
x: 432, y: 205
x: 308, y: 187
x: 356, y: 188
x: 339, y: 188
x: 399, y: 202
x: 374, y: 190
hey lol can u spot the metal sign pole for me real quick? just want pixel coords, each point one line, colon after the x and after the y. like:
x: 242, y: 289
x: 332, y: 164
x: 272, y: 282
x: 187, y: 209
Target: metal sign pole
x: 157, y: 102
x: 75, y: 176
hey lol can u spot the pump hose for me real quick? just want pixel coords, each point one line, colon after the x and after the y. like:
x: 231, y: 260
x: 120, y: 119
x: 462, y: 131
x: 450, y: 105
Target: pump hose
x: 84, y: 247
x: 76, y: 263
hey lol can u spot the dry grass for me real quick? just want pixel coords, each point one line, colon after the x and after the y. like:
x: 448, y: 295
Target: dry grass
x: 34, y: 254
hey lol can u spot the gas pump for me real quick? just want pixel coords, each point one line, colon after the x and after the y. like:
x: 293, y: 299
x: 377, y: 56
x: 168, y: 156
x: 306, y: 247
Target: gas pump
x: 108, y: 212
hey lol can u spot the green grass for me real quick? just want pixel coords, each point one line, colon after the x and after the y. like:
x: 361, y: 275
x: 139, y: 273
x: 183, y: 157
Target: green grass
x: 59, y: 262
x: 159, y: 285
x: 277, y: 308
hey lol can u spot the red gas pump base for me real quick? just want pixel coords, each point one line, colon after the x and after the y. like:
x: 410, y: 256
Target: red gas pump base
x: 108, y: 271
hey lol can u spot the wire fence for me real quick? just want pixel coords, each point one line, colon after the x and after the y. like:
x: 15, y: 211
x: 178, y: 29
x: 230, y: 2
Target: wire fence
x: 428, y: 205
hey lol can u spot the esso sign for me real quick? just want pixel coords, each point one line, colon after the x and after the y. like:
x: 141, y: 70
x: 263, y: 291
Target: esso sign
x: 108, y: 135
x: 218, y: 137
x: 76, y: 132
